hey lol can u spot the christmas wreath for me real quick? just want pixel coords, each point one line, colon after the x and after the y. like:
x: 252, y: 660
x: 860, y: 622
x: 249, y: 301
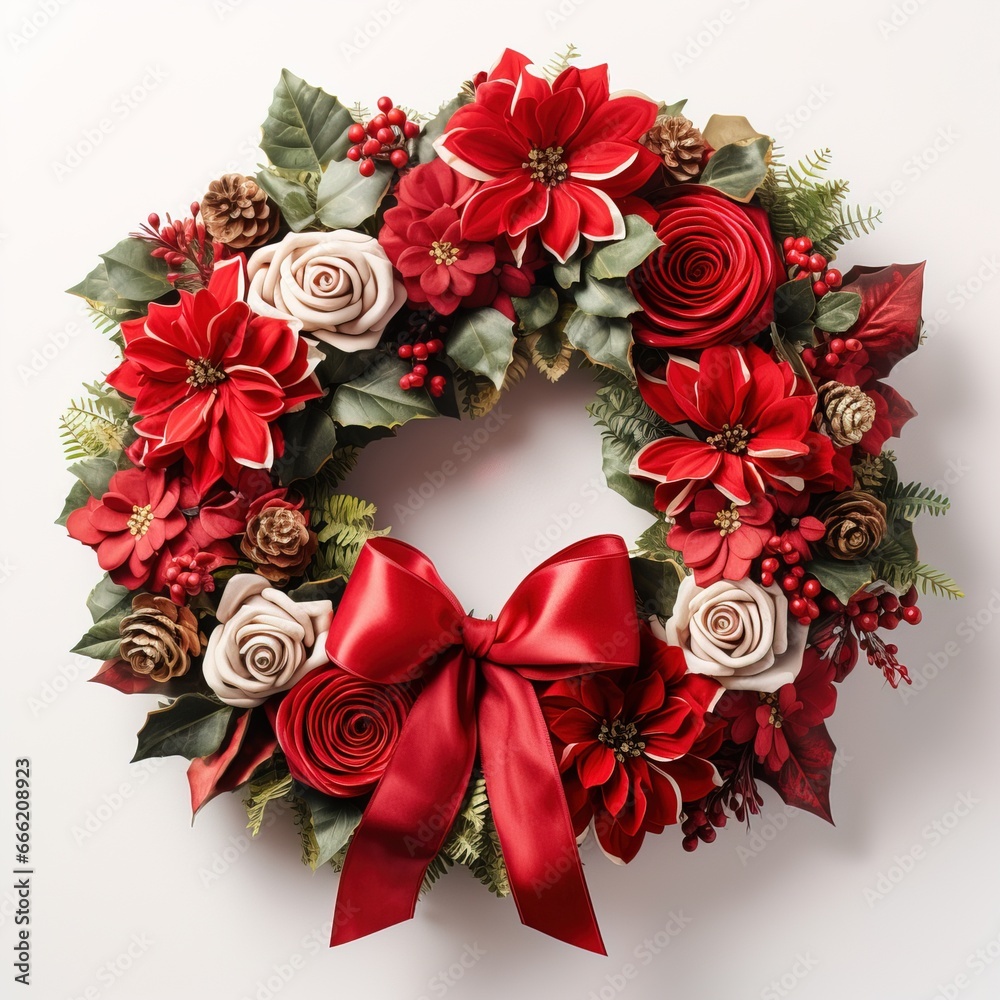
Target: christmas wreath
x: 392, y: 267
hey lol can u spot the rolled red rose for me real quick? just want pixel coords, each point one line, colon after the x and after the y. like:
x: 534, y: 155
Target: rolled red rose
x: 339, y: 732
x: 713, y: 280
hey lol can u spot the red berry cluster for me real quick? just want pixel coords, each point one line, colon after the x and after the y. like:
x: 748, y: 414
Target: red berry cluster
x: 869, y: 612
x: 418, y: 353
x: 699, y: 827
x: 383, y: 138
x: 181, y: 242
x: 188, y: 575
x: 833, y: 352
x: 810, y: 266
x: 801, y: 589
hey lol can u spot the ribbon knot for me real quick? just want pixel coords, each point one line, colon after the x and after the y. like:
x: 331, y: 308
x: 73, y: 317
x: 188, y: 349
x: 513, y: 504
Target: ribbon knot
x: 398, y: 622
x: 478, y: 635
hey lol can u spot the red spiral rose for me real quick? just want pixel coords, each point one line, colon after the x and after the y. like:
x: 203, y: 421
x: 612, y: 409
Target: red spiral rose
x: 713, y: 280
x: 339, y: 732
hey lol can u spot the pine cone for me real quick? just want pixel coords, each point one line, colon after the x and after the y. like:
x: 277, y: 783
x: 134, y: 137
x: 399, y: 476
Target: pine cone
x: 855, y: 524
x: 237, y: 212
x: 159, y: 638
x: 279, y: 541
x: 679, y: 143
x: 849, y: 412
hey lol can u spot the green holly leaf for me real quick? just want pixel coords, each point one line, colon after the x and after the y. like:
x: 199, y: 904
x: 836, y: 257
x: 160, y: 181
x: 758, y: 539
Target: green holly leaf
x: 102, y: 640
x: 618, y: 259
x: 76, y: 498
x: 296, y: 201
x: 95, y: 474
x: 192, y: 726
x: 837, y: 312
x: 375, y: 399
x: 482, y: 341
x: 844, y: 579
x: 346, y: 199
x: 97, y: 291
x: 606, y: 341
x: 670, y: 110
x: 537, y: 310
x: 329, y: 824
x: 794, y: 303
x: 568, y: 274
x: 738, y: 169
x: 610, y: 298
x: 134, y: 273
x: 616, y: 459
x: 340, y: 366
x: 305, y: 128
x: 435, y: 127
x: 108, y: 598
x: 310, y: 437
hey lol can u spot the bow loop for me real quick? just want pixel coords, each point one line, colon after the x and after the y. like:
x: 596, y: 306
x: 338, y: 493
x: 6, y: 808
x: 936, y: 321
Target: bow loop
x: 478, y: 635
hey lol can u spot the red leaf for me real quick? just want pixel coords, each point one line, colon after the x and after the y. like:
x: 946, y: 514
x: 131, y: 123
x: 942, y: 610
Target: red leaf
x: 248, y: 744
x: 804, y: 780
x: 889, y: 321
x: 119, y: 675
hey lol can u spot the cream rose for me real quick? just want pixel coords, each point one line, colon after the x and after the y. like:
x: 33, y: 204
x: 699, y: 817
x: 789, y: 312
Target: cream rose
x: 738, y: 633
x: 265, y: 641
x: 340, y: 286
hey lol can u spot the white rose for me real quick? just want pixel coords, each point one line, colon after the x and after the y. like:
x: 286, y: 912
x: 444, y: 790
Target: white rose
x: 265, y: 641
x: 738, y: 633
x: 338, y: 286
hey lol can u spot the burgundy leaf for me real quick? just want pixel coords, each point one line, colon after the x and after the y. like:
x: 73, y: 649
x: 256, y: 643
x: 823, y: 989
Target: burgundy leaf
x: 120, y: 676
x: 804, y: 779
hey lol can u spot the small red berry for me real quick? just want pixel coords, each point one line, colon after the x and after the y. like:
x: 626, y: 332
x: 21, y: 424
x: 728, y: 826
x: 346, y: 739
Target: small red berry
x: 766, y: 579
x: 386, y: 136
x: 371, y: 147
x: 153, y: 220
x: 867, y: 622
x: 354, y: 153
x: 385, y: 104
x: 404, y: 382
x: 416, y: 381
x: 820, y: 288
x: 853, y: 344
x: 869, y: 604
x: 791, y: 558
x: 690, y: 842
x: 770, y: 565
x: 366, y: 168
x: 811, y: 588
x: 396, y: 116
x: 803, y: 276
x: 356, y: 132
x: 774, y: 543
x: 837, y: 345
x: 889, y: 602
x: 817, y: 262
x: 405, y: 351
x: 788, y: 243
x: 435, y: 346
x: 912, y: 615
x: 831, y: 603
x: 411, y: 130
x: 833, y: 278
x: 399, y: 158
x: 888, y: 620
x: 379, y: 121
x: 909, y: 598
x: 420, y: 370
x: 790, y: 583
x: 832, y: 359
x: 803, y: 244
x: 797, y: 571
x: 420, y: 352
x: 797, y: 606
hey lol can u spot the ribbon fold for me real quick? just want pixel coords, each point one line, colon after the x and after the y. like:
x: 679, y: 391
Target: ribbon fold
x: 397, y: 622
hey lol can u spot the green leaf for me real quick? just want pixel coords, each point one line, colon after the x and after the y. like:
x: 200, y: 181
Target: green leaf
x: 933, y: 581
x: 656, y: 582
x: 738, y: 169
x: 482, y: 341
x: 343, y: 524
x: 568, y: 274
x: 329, y: 589
x: 346, y: 198
x: 435, y: 127
x: 610, y: 298
x: 97, y: 291
x: 102, y: 640
x: 786, y: 350
x: 618, y: 259
x: 108, y: 597
x: 305, y: 127
x: 133, y: 273
x: 76, y: 498
x: 329, y: 824
x: 911, y: 499
x: 270, y: 783
x: 836, y: 312
x: 192, y: 726
x: 616, y: 459
x: 296, y: 201
x: 844, y: 579
x: 537, y: 310
x: 375, y: 399
x: 605, y: 341
x: 669, y: 110
x: 340, y: 366
x: 95, y: 474
x: 310, y: 437
x: 794, y: 303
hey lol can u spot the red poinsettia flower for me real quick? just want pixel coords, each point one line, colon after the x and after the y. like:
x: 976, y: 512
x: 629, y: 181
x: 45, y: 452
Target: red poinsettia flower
x: 773, y: 721
x: 718, y: 538
x: 757, y: 419
x: 209, y: 377
x: 552, y: 158
x: 130, y: 524
x: 633, y: 745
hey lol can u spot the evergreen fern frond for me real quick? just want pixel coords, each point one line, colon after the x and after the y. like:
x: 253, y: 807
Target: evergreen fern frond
x: 907, y: 500
x: 560, y: 62
x: 95, y: 425
x: 933, y: 581
x: 344, y: 523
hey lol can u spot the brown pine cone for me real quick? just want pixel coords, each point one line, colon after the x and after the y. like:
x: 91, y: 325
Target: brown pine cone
x: 159, y: 638
x: 237, y: 212
x: 849, y: 412
x: 679, y: 143
x: 855, y: 524
x: 279, y: 541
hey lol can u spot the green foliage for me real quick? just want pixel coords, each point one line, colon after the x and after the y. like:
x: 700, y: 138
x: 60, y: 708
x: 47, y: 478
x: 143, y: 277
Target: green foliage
x: 933, y: 581
x: 95, y: 425
x: 325, y: 824
x: 911, y: 499
x: 270, y: 783
x: 560, y: 62
x: 738, y: 169
x: 194, y: 725
x: 605, y: 340
x: 375, y: 398
x: 801, y: 201
x: 842, y: 578
x: 435, y: 126
x: 619, y: 258
x: 345, y: 198
x: 102, y: 640
x: 343, y: 524
x: 482, y: 342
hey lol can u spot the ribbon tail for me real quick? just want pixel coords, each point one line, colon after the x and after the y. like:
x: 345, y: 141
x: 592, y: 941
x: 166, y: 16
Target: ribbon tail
x: 413, y: 807
x: 531, y: 813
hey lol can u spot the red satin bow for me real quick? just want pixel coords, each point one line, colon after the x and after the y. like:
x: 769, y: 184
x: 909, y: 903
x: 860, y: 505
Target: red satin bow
x: 397, y: 622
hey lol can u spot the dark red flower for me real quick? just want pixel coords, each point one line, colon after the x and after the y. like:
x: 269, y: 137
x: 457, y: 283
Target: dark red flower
x: 757, y: 417
x: 507, y: 278
x: 802, y: 529
x: 209, y: 377
x: 713, y: 280
x: 130, y: 524
x: 632, y: 745
x: 719, y: 539
x: 552, y: 158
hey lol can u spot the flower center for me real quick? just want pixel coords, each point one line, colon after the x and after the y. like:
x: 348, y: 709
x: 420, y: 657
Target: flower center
x: 728, y: 521
x: 731, y: 438
x: 775, y: 718
x: 444, y: 252
x: 622, y: 738
x: 546, y: 165
x: 203, y: 373
x: 140, y: 519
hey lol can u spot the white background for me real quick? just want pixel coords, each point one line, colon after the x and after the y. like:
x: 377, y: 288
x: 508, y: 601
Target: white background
x: 129, y: 900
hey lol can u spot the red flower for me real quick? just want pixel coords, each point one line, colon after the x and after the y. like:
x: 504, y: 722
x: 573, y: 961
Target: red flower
x: 719, y: 540
x: 803, y: 529
x: 130, y: 524
x: 551, y: 157
x: 633, y: 745
x: 209, y: 377
x: 773, y: 721
x: 713, y: 280
x: 339, y: 732
x: 758, y: 418
x: 507, y: 278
